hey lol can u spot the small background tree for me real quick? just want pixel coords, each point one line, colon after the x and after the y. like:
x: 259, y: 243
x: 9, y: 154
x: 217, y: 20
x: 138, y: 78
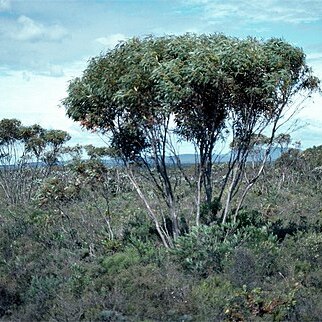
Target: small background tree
x: 27, y: 155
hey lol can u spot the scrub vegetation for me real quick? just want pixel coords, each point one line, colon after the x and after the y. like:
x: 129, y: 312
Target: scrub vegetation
x: 130, y: 232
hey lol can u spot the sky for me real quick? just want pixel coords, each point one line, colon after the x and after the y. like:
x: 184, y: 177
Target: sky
x: 46, y: 43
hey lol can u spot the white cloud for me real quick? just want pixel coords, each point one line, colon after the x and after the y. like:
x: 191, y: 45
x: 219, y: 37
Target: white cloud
x: 110, y: 41
x: 287, y: 11
x: 52, y: 71
x: 311, y: 112
x: 49, y: 71
x: 31, y: 97
x: 314, y: 56
x: 5, y: 5
x: 28, y: 29
x: 35, y: 98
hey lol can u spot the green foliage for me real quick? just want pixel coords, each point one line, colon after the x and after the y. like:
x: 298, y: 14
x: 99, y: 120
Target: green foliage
x: 218, y: 298
x: 250, y: 218
x: 302, y: 161
x: 63, y: 268
x: 308, y: 305
x: 253, y: 265
x: 208, y: 212
x: 56, y: 189
x: 141, y: 234
x: 139, y: 228
x: 9, y: 131
x: 39, y: 296
x: 247, y: 304
x: 210, y: 298
x: 306, y: 247
x: 290, y: 159
x: 202, y: 250
x: 205, y: 249
x: 39, y: 143
x: 114, y: 264
x: 313, y: 156
x: 161, y: 289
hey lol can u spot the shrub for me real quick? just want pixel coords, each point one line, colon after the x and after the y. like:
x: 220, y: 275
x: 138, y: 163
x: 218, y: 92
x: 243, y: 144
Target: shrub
x: 205, y: 249
x: 9, y: 300
x: 253, y: 266
x: 150, y: 292
x: 114, y: 264
x: 308, y: 305
x: 202, y: 250
x: 139, y: 228
x: 208, y: 212
x: 39, y: 297
x: 210, y: 298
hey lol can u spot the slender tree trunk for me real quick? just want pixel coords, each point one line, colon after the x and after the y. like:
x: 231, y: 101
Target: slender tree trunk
x: 166, y: 241
x: 174, y: 218
x: 229, y: 195
x: 208, y: 183
x: 198, y: 197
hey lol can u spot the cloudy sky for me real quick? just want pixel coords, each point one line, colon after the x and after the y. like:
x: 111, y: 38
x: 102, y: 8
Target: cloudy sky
x: 45, y: 43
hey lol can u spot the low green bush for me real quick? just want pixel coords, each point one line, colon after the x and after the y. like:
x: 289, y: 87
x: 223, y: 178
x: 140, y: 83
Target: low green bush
x: 205, y: 249
x: 114, y: 264
x: 210, y: 298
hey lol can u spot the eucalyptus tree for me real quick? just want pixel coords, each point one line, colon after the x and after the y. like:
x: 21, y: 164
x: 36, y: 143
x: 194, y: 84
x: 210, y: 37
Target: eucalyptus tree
x: 200, y: 88
x: 27, y: 153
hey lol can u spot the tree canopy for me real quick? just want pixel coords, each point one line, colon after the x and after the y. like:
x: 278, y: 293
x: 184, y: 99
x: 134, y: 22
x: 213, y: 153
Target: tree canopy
x: 201, y: 80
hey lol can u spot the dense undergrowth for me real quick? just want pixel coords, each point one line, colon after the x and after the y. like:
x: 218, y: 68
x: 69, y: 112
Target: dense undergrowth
x: 91, y: 253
